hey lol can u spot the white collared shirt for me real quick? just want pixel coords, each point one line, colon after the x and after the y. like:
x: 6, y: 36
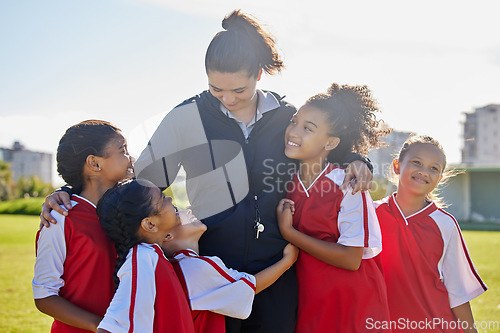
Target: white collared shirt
x: 267, y: 102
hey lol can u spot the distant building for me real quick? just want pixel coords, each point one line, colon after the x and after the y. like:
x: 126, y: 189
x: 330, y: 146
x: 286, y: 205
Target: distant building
x: 382, y: 158
x: 27, y: 163
x: 472, y: 196
x: 481, y: 134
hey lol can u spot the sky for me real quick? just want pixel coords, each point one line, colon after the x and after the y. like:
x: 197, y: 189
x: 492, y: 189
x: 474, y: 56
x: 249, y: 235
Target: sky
x: 131, y: 61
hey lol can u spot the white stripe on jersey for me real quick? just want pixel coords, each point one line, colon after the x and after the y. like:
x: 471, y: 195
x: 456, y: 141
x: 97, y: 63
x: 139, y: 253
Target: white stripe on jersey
x: 455, y: 266
x: 50, y: 257
x: 214, y: 287
x: 351, y: 221
x: 117, y: 317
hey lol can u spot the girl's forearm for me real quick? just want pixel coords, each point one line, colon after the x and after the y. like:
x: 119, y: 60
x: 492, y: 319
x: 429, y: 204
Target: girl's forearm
x: 269, y: 275
x: 338, y: 255
x: 464, y: 314
x: 68, y: 313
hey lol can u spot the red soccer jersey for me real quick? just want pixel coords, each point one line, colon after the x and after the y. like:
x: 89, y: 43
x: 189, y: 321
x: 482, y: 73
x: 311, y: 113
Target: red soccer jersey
x: 213, y: 290
x: 333, y: 299
x: 427, y: 268
x: 149, y: 297
x: 75, y: 260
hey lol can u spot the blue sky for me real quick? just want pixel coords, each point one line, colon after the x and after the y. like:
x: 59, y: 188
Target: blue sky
x: 131, y: 61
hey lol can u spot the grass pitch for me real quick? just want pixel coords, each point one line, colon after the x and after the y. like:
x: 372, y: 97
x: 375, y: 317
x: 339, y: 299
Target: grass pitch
x: 17, y: 256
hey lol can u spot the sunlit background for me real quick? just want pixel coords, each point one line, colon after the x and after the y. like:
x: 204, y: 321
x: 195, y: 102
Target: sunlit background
x: 131, y: 61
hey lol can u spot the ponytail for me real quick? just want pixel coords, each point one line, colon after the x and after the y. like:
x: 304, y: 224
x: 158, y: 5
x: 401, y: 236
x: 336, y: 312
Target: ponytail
x: 243, y: 45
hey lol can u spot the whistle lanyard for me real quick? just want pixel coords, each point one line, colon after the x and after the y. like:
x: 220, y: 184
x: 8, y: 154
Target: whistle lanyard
x: 258, y: 227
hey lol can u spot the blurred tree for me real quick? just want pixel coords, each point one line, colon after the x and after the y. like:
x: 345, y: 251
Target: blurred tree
x: 32, y: 187
x: 6, y: 182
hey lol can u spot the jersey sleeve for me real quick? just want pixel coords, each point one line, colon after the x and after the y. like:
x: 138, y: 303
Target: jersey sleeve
x: 214, y: 287
x: 459, y: 275
x: 132, y: 307
x: 50, y: 258
x: 358, y: 224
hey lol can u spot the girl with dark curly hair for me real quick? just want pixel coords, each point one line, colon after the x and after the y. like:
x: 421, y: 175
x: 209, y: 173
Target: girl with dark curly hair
x: 340, y: 282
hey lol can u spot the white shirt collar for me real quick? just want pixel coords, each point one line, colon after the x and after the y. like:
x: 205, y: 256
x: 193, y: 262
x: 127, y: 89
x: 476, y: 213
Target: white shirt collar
x: 267, y: 102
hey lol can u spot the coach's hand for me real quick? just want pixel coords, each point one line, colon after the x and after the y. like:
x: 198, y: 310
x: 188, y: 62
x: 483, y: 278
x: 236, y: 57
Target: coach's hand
x: 54, y: 202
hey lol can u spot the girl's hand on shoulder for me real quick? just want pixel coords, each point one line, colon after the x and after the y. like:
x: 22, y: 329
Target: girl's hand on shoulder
x: 291, y: 252
x: 359, y: 176
x: 53, y: 202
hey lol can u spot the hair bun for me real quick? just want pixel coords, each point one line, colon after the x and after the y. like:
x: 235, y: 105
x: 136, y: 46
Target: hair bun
x: 234, y: 21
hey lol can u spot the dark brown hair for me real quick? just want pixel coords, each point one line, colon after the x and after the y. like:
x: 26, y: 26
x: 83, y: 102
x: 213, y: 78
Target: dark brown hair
x: 121, y: 210
x: 350, y: 112
x: 243, y: 45
x: 90, y: 137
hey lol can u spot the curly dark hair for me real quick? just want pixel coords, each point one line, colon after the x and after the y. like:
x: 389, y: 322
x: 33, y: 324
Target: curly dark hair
x: 90, y: 137
x: 242, y: 45
x: 350, y: 112
x: 121, y: 210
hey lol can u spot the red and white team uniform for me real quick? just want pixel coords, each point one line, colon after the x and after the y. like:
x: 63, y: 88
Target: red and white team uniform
x: 427, y: 266
x: 214, y: 291
x: 333, y: 299
x: 75, y: 260
x: 149, y: 297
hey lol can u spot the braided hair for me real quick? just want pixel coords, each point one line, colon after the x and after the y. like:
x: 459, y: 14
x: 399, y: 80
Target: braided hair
x: 242, y: 45
x: 350, y: 113
x: 90, y: 137
x: 121, y: 210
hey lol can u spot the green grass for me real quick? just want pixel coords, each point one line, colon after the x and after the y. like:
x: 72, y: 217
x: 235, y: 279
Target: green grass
x: 17, y: 256
x: 482, y: 248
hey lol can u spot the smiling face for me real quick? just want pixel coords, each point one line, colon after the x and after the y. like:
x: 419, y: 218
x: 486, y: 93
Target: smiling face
x: 421, y: 169
x: 184, y: 236
x: 189, y: 226
x: 116, y: 164
x: 165, y: 218
x: 307, y: 137
x: 236, y: 91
